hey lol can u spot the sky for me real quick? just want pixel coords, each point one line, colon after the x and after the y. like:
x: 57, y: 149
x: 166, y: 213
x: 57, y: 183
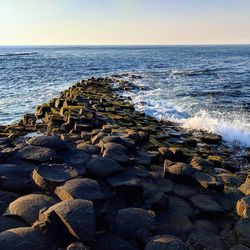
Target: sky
x: 124, y: 22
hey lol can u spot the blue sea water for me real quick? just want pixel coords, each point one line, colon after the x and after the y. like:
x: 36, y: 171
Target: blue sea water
x: 200, y: 87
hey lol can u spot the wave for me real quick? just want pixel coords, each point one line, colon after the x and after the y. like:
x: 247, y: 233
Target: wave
x: 176, y: 72
x: 19, y: 54
x: 234, y: 131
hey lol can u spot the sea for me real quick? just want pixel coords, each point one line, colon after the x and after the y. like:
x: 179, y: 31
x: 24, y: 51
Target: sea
x: 200, y: 87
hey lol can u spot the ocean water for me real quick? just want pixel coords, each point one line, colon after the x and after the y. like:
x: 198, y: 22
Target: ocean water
x: 200, y: 87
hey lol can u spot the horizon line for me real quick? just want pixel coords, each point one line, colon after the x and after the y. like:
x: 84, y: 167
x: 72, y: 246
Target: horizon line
x: 178, y: 44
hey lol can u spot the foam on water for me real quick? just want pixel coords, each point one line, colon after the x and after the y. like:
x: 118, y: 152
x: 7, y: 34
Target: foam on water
x: 234, y: 131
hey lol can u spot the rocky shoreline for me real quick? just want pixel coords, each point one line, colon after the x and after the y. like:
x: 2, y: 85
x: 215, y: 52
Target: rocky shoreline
x: 87, y: 171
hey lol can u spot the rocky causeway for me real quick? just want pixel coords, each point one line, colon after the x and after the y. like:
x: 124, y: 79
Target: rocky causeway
x: 87, y: 171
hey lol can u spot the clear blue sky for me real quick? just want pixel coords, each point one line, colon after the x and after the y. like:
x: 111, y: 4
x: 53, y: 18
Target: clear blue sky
x: 124, y: 21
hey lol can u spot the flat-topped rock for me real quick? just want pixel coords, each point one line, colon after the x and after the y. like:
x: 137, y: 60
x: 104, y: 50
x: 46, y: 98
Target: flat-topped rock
x: 24, y: 238
x: 116, y: 151
x: 179, y: 171
x: 36, y: 154
x: 47, y: 141
x: 27, y: 207
x: 175, y: 223
x: 103, y: 166
x: 75, y: 157
x: 78, y: 216
x: 132, y: 222
x: 184, y: 190
x: 166, y: 242
x: 49, y: 176
x: 206, y: 204
x: 83, y: 188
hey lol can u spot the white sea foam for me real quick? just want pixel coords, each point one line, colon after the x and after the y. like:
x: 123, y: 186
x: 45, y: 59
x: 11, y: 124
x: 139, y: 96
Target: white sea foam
x: 233, y: 131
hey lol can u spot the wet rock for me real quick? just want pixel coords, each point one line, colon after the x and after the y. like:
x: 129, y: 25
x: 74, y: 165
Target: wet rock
x: 242, y: 231
x: 110, y: 241
x: 175, y: 223
x: 48, y: 141
x: 206, y: 204
x: 78, y: 216
x: 179, y: 171
x: 166, y: 242
x: 27, y: 207
x: 103, y: 166
x: 49, y: 176
x: 116, y: 151
x: 24, y: 238
x: 7, y: 223
x: 132, y: 222
x: 164, y: 184
x: 84, y: 188
x: 203, y: 240
x: 211, y: 138
x: 36, y: 154
x: 243, y: 207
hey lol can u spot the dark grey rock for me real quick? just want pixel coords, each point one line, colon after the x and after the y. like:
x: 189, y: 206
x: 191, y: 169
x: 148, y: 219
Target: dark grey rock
x: 132, y: 222
x: 166, y: 242
x: 7, y: 223
x: 48, y: 141
x: 49, y: 176
x: 37, y: 154
x: 103, y: 166
x: 24, y: 238
x: 83, y: 188
x: 27, y: 207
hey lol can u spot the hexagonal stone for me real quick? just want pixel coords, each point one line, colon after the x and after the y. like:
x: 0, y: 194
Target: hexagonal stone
x: 184, y: 190
x: 27, y: 207
x: 116, y: 151
x: 24, y: 238
x: 49, y: 176
x: 47, y: 141
x: 166, y: 242
x: 37, y: 154
x: 243, y: 207
x: 175, y: 223
x: 75, y: 157
x: 206, y: 204
x: 78, y: 216
x: 132, y: 222
x: 7, y: 223
x: 103, y: 166
x: 82, y: 188
x: 179, y: 171
x: 179, y: 205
